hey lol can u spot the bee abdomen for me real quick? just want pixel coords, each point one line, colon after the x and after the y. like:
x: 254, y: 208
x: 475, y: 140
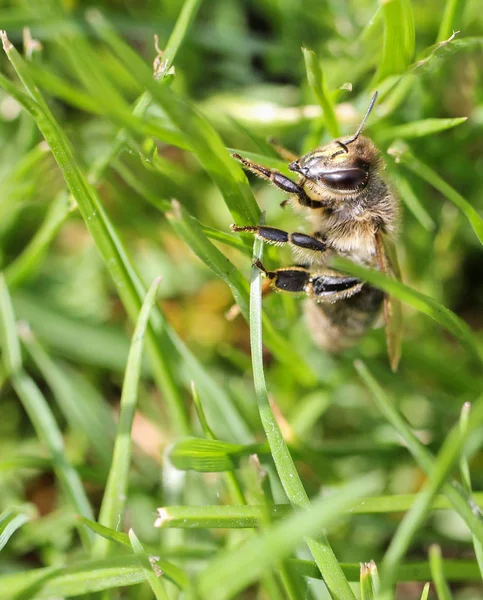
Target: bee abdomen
x: 340, y: 325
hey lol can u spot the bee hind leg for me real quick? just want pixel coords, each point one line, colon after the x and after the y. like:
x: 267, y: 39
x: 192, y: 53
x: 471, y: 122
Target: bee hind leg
x: 326, y: 286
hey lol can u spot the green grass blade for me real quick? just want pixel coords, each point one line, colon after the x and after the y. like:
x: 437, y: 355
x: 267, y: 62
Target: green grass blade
x: 11, y: 520
x: 425, y: 592
x: 153, y: 571
x: 466, y: 480
x: 437, y: 571
x: 410, y: 199
x: 412, y: 521
x: 399, y: 38
x: 460, y: 501
x: 82, y: 413
x: 316, y: 79
x: 464, y: 571
x: 417, y: 129
x: 321, y: 550
x: 23, y: 266
x: 115, y: 494
x: 73, y: 581
x: 431, y: 177
x: 173, y: 573
x: 38, y: 410
x: 424, y: 304
x: 223, y: 577
x: 369, y: 581
x: 451, y: 20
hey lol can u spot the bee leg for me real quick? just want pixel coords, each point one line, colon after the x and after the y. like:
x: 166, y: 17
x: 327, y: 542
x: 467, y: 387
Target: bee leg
x: 278, y: 237
x: 328, y: 287
x: 280, y: 180
x: 283, y: 152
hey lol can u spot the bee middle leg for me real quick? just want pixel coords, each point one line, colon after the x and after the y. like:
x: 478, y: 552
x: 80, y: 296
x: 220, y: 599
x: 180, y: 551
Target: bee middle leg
x: 308, y: 244
x: 280, y: 180
x: 323, y: 286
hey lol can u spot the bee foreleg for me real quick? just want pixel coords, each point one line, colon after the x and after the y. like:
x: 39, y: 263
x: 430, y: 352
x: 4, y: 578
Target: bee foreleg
x: 280, y: 180
x: 278, y: 237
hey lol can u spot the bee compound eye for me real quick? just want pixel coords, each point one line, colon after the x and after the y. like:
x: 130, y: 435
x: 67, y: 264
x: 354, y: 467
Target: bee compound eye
x: 345, y: 179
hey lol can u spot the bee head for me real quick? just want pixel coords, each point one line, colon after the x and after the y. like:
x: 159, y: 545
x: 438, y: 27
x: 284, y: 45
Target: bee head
x: 343, y: 165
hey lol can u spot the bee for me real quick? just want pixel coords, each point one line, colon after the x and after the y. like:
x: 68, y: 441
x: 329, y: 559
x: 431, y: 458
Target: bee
x: 353, y: 213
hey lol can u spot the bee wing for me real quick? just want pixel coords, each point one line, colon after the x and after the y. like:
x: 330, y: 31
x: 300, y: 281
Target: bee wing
x: 388, y: 263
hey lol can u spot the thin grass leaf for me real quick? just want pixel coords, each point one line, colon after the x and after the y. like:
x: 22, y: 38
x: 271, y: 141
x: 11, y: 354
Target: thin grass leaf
x: 321, y: 550
x: 399, y: 38
x: 425, y: 592
x: 22, y: 267
x: 152, y: 570
x: 223, y: 577
x: 466, y: 482
x: 173, y: 573
x: 12, y: 519
x: 115, y: 494
x: 207, y: 456
x: 38, y: 410
x: 413, y: 203
x: 412, y: 521
x: 369, y: 581
x: 316, y: 79
x: 417, y: 129
x: 455, y: 494
x: 451, y: 20
x: 82, y: 413
x: 420, y: 302
x: 67, y: 582
x: 431, y: 177
x: 464, y: 571
x: 436, y: 564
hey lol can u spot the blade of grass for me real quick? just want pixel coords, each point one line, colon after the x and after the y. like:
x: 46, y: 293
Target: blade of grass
x: 369, y: 581
x: 431, y: 177
x: 223, y: 577
x: 436, y: 564
x: 451, y: 19
x: 417, y: 129
x: 466, y: 482
x: 93, y: 420
x: 412, y: 521
x: 12, y: 519
x: 245, y: 516
x: 154, y: 579
x: 425, y: 592
x: 316, y: 79
x: 38, y: 410
x: 115, y: 493
x: 453, y: 491
x: 322, y: 552
x: 173, y: 573
x: 420, y: 302
x: 23, y: 266
x: 455, y: 570
x: 413, y: 203
x: 399, y: 38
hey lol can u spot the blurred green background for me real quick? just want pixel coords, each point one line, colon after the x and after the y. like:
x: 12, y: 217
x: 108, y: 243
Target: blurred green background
x: 240, y: 65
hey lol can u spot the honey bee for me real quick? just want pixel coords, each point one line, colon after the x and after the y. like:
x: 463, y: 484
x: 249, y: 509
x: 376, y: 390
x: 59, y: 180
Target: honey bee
x: 354, y: 214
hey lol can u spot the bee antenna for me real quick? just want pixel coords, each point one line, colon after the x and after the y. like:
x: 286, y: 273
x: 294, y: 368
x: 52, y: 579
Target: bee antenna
x: 361, y: 126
